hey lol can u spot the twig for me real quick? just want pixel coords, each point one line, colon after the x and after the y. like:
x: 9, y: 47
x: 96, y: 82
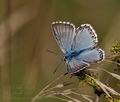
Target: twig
x: 112, y: 62
x: 73, y: 99
x: 97, y: 98
x: 60, y: 98
x: 42, y: 91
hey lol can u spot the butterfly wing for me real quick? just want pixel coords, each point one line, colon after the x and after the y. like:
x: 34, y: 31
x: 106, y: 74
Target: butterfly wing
x: 85, y: 38
x: 75, y: 66
x: 82, y: 39
x: 84, y: 59
x: 92, y: 55
x: 64, y: 33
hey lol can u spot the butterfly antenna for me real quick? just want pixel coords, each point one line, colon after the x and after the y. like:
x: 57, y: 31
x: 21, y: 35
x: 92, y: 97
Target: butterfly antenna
x: 50, y: 51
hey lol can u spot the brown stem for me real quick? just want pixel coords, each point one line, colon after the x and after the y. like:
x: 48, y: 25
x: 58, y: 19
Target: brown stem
x: 97, y: 98
x: 42, y: 91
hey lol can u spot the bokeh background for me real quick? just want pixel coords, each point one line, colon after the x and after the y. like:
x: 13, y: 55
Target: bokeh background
x: 25, y: 35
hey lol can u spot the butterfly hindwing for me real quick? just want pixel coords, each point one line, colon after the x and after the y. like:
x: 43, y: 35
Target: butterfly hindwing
x: 91, y: 55
x: 85, y: 38
x: 64, y: 33
x: 75, y: 66
x: 84, y: 60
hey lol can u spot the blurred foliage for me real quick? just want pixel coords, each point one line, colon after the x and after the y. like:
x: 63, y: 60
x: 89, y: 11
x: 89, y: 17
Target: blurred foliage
x: 116, y: 52
x: 116, y: 48
x: 25, y: 34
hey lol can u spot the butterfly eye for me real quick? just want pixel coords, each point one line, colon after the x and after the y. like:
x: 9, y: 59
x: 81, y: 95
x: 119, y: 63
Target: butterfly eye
x: 65, y: 58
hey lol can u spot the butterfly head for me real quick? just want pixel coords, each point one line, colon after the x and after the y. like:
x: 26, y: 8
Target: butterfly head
x: 70, y: 55
x: 65, y: 58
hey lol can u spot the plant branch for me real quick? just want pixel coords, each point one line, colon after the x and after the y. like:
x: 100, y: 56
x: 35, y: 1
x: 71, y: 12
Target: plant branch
x: 42, y: 91
x: 97, y: 98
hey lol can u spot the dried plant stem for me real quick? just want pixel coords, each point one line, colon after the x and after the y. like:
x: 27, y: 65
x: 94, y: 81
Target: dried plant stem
x: 73, y: 99
x: 111, y: 56
x: 49, y: 90
x: 42, y: 91
x: 59, y: 98
x: 112, y: 62
x: 97, y: 98
x: 88, y: 99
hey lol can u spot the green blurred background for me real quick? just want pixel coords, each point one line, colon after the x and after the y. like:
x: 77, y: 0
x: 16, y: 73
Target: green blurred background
x: 25, y: 35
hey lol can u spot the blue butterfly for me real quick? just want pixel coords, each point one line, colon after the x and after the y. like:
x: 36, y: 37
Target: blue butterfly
x: 79, y: 45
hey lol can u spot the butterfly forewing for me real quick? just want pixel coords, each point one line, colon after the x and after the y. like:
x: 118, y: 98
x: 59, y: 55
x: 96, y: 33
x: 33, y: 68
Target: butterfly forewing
x: 84, y: 60
x: 85, y: 38
x: 64, y: 33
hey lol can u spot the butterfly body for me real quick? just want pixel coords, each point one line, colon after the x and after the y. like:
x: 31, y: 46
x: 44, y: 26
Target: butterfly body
x: 79, y: 45
x: 70, y: 54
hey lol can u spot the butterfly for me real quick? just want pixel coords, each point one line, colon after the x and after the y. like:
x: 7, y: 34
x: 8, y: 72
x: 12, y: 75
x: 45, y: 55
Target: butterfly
x: 79, y: 45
